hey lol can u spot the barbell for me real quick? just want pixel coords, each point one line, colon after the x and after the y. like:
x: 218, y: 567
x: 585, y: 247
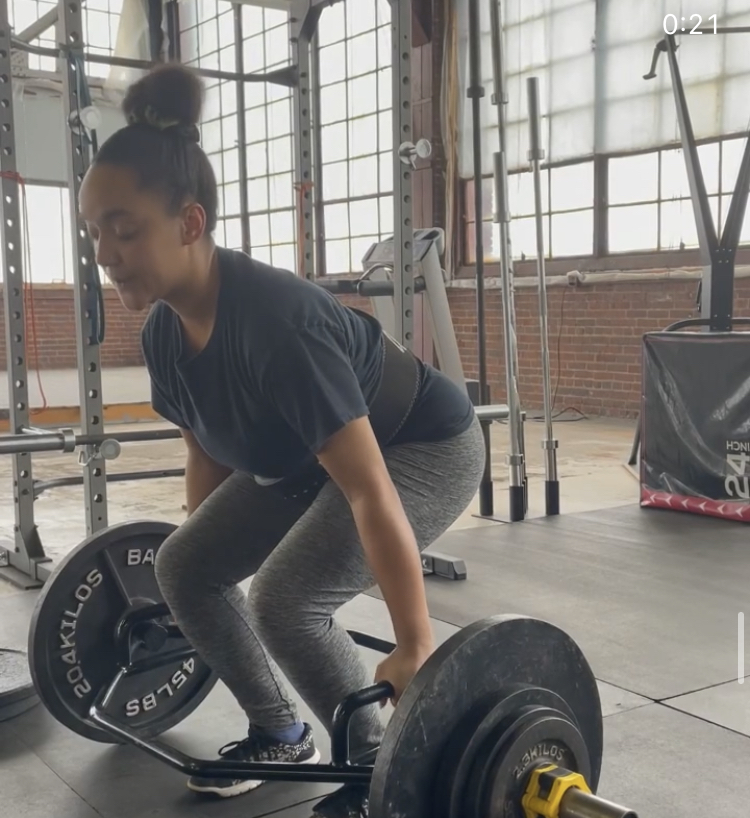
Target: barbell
x: 504, y: 719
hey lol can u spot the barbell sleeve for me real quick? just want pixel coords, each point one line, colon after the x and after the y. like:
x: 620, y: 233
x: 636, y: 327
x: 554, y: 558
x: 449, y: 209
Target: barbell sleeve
x: 579, y: 804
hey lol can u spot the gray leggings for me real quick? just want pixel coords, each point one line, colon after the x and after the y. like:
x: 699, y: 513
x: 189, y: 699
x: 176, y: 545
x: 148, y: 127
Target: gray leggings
x: 306, y: 561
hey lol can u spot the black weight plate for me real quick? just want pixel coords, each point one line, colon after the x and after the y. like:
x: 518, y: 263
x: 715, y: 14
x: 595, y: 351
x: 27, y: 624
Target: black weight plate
x: 17, y: 692
x: 475, y: 737
x: 478, y: 662
x: 72, y: 650
x: 538, y: 736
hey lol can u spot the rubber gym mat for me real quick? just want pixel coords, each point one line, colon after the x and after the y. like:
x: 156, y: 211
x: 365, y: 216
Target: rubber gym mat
x: 651, y: 596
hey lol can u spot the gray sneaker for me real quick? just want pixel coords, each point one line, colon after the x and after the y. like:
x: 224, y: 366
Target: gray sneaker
x: 258, y: 747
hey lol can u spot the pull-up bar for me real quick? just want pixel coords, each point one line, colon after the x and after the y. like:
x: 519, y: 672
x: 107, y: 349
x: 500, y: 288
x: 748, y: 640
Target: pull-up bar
x: 287, y: 76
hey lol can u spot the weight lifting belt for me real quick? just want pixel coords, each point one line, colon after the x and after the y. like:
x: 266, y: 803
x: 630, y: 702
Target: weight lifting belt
x: 399, y: 386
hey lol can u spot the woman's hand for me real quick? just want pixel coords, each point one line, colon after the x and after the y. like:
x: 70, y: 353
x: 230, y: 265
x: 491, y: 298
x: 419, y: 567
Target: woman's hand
x: 400, y: 667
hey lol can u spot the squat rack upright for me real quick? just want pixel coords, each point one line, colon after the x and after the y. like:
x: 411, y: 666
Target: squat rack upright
x: 23, y: 560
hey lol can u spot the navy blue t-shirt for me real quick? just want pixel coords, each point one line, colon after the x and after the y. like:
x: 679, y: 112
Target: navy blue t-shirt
x: 287, y: 366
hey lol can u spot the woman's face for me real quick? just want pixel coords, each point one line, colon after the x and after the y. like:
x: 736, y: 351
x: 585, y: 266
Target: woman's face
x: 142, y: 248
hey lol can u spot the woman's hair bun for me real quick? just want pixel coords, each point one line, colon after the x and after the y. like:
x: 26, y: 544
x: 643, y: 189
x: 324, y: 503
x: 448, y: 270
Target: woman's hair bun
x: 170, y: 94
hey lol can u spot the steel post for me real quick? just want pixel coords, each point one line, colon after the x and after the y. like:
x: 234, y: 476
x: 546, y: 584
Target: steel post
x: 87, y: 288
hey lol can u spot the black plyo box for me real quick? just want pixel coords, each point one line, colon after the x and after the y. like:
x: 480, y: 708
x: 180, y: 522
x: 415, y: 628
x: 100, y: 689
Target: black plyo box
x: 695, y: 423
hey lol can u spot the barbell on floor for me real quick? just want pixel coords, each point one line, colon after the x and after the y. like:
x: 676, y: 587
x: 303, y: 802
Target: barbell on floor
x: 503, y: 720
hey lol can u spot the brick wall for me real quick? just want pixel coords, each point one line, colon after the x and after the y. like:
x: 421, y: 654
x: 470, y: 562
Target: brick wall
x: 595, y: 337
x: 51, y: 337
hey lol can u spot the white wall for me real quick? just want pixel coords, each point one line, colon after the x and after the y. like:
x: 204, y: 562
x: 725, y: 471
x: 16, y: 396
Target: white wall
x: 40, y: 134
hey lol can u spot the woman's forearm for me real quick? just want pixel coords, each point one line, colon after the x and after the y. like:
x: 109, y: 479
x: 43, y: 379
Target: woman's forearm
x: 393, y: 555
x: 202, y: 477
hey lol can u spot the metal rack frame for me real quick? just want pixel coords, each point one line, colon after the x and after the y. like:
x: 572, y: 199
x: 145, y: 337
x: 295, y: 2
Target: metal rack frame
x: 716, y: 293
x: 23, y: 561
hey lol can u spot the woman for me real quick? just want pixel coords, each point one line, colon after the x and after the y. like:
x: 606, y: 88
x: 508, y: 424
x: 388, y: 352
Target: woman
x: 321, y: 458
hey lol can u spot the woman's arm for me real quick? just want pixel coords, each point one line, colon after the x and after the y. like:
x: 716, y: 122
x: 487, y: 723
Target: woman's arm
x: 203, y: 475
x: 354, y: 461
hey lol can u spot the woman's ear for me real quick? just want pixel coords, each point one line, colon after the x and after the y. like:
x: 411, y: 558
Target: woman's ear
x: 193, y: 223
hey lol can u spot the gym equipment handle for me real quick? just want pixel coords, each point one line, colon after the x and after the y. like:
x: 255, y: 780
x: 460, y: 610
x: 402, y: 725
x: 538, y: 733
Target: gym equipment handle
x: 579, y: 804
x: 66, y: 441
x: 343, y: 716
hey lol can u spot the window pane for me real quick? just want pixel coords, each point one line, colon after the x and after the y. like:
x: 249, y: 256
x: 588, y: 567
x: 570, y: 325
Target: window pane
x: 385, y: 91
x: 284, y: 256
x: 226, y: 30
x: 262, y: 254
x: 745, y: 233
x: 363, y: 216
x: 363, y: 136
x: 572, y: 234
x: 228, y: 98
x: 678, y: 225
x: 257, y: 159
x: 708, y: 156
x: 252, y: 18
x: 210, y: 61
x: 231, y: 165
x: 385, y: 161
x: 634, y: 178
x: 338, y: 256
x: 279, y: 118
x: 633, y: 228
x: 232, y: 199
x: 280, y: 155
x: 731, y: 157
x: 363, y: 95
x: 208, y: 37
x: 233, y: 238
x: 385, y: 130
x: 360, y: 246
x: 212, y: 104
x: 337, y: 221
x: 277, y: 46
x: 361, y: 20
x: 573, y: 186
x: 211, y: 136
x: 227, y: 61
x: 189, y: 43
x: 253, y: 53
x: 219, y: 234
x: 674, y: 181
x: 332, y: 64
x: 363, y: 176
x: 217, y: 165
x: 281, y: 191
x: 361, y: 54
x: 384, y: 47
x: 521, y: 193
x: 282, y: 228
x: 386, y: 215
x: 45, y: 232
x: 255, y: 95
x: 260, y: 230
x: 255, y: 125
x: 522, y: 239
x: 229, y: 131
x: 335, y: 182
x: 274, y: 17
x: 334, y: 142
x: 257, y: 194
x: 332, y: 25
x: 333, y: 103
